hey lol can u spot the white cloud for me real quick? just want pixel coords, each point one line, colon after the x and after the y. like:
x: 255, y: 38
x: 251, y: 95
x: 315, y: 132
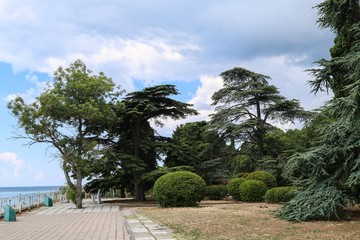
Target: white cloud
x: 30, y: 94
x: 201, y: 102
x: 148, y: 60
x: 288, y: 73
x: 12, y: 158
x: 40, y: 175
x: 16, y: 163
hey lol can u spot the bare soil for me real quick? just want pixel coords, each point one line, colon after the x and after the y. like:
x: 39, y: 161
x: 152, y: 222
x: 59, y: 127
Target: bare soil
x: 225, y: 220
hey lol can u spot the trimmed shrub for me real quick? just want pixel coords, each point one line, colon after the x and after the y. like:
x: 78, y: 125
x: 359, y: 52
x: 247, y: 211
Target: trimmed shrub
x: 216, y: 192
x: 279, y: 194
x: 267, y: 178
x: 233, y: 188
x: 252, y: 191
x: 179, y: 189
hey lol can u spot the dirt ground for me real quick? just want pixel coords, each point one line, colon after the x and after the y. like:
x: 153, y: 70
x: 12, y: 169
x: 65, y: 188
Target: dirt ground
x: 225, y: 220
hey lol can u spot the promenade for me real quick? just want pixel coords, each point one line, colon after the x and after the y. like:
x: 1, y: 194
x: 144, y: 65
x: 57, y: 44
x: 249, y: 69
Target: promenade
x: 93, y: 222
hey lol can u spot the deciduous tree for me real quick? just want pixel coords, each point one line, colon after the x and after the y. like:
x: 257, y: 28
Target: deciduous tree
x: 66, y: 116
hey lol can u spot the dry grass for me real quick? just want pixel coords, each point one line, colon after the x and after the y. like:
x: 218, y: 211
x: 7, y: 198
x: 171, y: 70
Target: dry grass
x: 222, y: 220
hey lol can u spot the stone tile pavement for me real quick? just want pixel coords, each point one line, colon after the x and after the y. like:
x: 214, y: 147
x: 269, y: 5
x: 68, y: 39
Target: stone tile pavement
x: 142, y: 228
x: 94, y: 222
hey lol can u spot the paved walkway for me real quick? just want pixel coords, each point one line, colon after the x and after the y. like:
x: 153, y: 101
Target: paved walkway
x: 95, y: 221
x: 142, y: 228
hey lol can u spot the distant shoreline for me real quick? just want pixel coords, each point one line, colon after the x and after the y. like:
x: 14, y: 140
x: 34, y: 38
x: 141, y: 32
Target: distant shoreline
x: 6, y: 192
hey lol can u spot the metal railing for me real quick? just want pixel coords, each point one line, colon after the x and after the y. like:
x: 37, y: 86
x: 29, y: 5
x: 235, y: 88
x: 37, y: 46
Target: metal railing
x: 28, y: 201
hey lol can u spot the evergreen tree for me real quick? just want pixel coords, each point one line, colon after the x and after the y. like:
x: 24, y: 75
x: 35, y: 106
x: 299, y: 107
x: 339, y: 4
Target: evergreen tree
x: 245, y: 108
x: 138, y: 146
x: 195, y: 145
x: 329, y: 173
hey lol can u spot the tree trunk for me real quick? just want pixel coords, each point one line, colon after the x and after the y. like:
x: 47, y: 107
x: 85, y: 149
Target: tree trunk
x: 66, y: 174
x: 78, y: 189
x: 137, y: 190
x: 122, y: 192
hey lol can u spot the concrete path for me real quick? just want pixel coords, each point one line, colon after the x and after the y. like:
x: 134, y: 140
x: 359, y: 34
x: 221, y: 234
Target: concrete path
x: 142, y: 228
x: 95, y: 221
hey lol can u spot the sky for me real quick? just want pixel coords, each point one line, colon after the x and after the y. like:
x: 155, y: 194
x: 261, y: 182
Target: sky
x: 141, y: 43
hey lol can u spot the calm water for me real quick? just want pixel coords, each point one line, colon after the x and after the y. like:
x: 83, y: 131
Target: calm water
x: 15, y: 191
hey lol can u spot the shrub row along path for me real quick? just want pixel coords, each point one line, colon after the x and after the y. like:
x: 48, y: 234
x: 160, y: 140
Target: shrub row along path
x: 94, y: 221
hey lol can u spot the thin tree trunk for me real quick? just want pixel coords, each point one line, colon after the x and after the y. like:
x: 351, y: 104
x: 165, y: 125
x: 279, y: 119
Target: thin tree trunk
x: 78, y: 189
x: 122, y: 192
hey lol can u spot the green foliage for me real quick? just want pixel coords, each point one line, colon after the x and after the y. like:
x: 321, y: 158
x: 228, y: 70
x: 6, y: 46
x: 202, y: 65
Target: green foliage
x: 263, y: 176
x: 318, y: 201
x: 244, y: 108
x: 154, y: 175
x: 241, y: 175
x: 67, y: 117
x: 200, y: 147
x: 233, y: 188
x: 216, y: 192
x: 252, y: 191
x: 139, y: 147
x: 280, y: 194
x: 342, y: 17
x: 71, y: 194
x: 179, y: 189
x: 328, y: 171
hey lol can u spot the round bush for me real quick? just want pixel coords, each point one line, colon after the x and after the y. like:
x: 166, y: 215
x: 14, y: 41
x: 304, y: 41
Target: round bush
x: 179, y: 189
x: 252, y: 191
x: 233, y: 188
x: 279, y: 194
x: 216, y: 192
x: 267, y: 178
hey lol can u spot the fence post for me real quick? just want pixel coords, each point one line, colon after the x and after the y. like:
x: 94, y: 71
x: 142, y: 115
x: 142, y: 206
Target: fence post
x: 29, y: 202
x: 20, y: 203
x: 38, y: 200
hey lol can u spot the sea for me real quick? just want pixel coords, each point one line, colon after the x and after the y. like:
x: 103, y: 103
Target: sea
x: 6, y: 192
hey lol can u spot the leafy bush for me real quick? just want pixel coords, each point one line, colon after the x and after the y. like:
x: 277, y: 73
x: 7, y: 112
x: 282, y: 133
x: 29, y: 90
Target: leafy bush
x: 265, y: 177
x: 71, y: 194
x: 216, y: 192
x: 252, y: 190
x: 233, y: 187
x: 280, y: 194
x: 179, y: 189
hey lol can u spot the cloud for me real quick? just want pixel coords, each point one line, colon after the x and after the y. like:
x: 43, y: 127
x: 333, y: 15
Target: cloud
x: 201, y: 102
x: 288, y: 73
x: 40, y: 175
x: 30, y: 94
x: 155, y: 41
x: 12, y: 159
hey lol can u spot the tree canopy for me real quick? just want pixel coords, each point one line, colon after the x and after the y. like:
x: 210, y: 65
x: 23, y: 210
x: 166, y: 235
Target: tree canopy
x: 247, y: 106
x: 328, y: 173
x: 66, y: 116
x: 138, y: 146
x: 195, y: 145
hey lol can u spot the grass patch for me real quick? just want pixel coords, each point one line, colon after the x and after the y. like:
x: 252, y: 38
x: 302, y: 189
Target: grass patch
x: 229, y: 220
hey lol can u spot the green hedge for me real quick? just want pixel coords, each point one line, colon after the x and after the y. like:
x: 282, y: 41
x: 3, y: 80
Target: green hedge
x: 252, y: 191
x: 216, y: 192
x: 280, y: 194
x: 233, y: 188
x: 267, y: 178
x: 179, y: 189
